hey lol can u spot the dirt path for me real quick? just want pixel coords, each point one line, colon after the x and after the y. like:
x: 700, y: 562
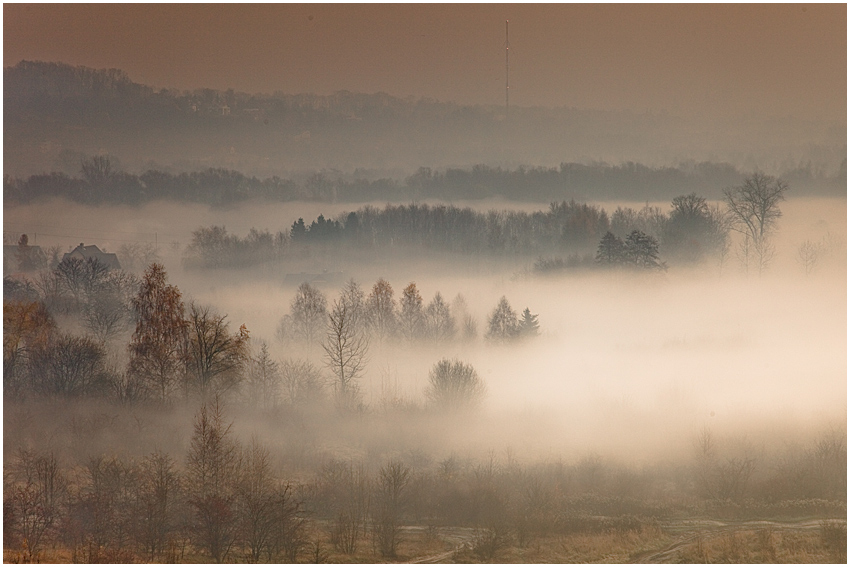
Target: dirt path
x: 460, y: 537
x: 686, y: 532
x: 690, y: 530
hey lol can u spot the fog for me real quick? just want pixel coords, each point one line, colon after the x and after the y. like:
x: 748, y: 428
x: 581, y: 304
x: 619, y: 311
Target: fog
x: 440, y: 283
x: 630, y: 366
x: 695, y: 390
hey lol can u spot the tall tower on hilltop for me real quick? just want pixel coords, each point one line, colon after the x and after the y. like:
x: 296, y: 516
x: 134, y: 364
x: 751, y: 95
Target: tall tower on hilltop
x: 507, y: 69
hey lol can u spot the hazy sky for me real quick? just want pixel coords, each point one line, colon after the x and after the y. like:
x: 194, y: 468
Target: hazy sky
x: 699, y: 59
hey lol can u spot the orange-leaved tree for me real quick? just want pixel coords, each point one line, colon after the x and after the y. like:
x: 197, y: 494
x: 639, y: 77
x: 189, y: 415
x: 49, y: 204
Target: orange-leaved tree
x: 158, y: 347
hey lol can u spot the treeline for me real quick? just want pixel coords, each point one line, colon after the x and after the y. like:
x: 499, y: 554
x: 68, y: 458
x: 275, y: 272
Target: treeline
x: 382, y: 318
x: 691, y: 232
x: 100, y: 182
x: 224, y: 499
x: 56, y: 114
x: 55, y: 88
x: 178, y: 352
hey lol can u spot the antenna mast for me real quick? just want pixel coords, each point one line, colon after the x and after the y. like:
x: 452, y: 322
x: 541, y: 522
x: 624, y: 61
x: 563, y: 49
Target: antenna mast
x: 507, y: 69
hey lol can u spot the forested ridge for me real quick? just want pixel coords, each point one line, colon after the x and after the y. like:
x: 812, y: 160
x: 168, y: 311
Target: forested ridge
x: 372, y: 146
x: 100, y: 182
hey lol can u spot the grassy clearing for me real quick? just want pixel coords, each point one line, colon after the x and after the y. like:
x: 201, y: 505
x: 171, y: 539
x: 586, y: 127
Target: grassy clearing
x: 828, y: 545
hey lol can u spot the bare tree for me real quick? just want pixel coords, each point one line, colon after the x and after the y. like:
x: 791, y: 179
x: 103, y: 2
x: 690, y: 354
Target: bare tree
x: 216, y: 358
x: 212, y: 466
x: 722, y: 222
x: 345, y: 354
x: 27, y: 329
x: 453, y: 385
x: 256, y: 502
x: 263, y: 380
x: 301, y: 382
x: 503, y: 323
x: 19, y: 290
x: 71, y: 366
x: 137, y: 256
x: 355, y: 300
x: 36, y: 495
x: 381, y: 310
x: 692, y: 231
x: 346, y: 488
x: 106, y: 507
x: 705, y: 456
x: 107, y: 312
x: 290, y: 526
x: 807, y: 255
x: 389, y: 504
x: 721, y: 479
x: 410, y: 318
x: 158, y: 348
x: 159, y: 493
x: 49, y: 289
x: 308, y: 312
x: 754, y: 210
x: 97, y: 171
x: 440, y: 324
x: 78, y: 279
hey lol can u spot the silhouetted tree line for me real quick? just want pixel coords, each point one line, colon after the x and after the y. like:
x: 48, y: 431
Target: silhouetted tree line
x: 100, y: 182
x: 691, y: 232
x: 214, y: 247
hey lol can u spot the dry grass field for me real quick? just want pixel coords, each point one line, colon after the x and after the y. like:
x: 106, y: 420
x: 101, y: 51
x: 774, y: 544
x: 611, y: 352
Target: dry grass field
x: 801, y: 542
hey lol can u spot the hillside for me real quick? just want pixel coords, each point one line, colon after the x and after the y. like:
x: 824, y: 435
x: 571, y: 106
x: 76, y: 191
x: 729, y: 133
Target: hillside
x: 55, y: 115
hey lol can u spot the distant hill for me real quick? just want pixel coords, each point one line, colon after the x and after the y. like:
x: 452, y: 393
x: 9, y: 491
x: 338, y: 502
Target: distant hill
x: 56, y: 115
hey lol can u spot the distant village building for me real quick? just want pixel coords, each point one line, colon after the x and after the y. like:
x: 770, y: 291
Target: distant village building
x: 84, y: 252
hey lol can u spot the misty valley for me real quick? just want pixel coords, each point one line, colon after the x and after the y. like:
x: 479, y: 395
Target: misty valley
x: 589, y: 306
x: 427, y: 382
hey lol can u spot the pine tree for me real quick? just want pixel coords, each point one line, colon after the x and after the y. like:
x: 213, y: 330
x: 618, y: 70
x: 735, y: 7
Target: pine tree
x: 298, y: 231
x: 642, y: 251
x: 611, y: 251
x: 528, y: 325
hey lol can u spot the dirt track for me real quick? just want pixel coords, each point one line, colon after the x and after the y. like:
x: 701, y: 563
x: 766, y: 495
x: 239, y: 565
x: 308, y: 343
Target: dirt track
x: 460, y: 537
x: 687, y: 532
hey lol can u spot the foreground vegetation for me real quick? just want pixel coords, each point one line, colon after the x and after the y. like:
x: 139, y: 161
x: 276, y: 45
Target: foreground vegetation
x: 225, y: 497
